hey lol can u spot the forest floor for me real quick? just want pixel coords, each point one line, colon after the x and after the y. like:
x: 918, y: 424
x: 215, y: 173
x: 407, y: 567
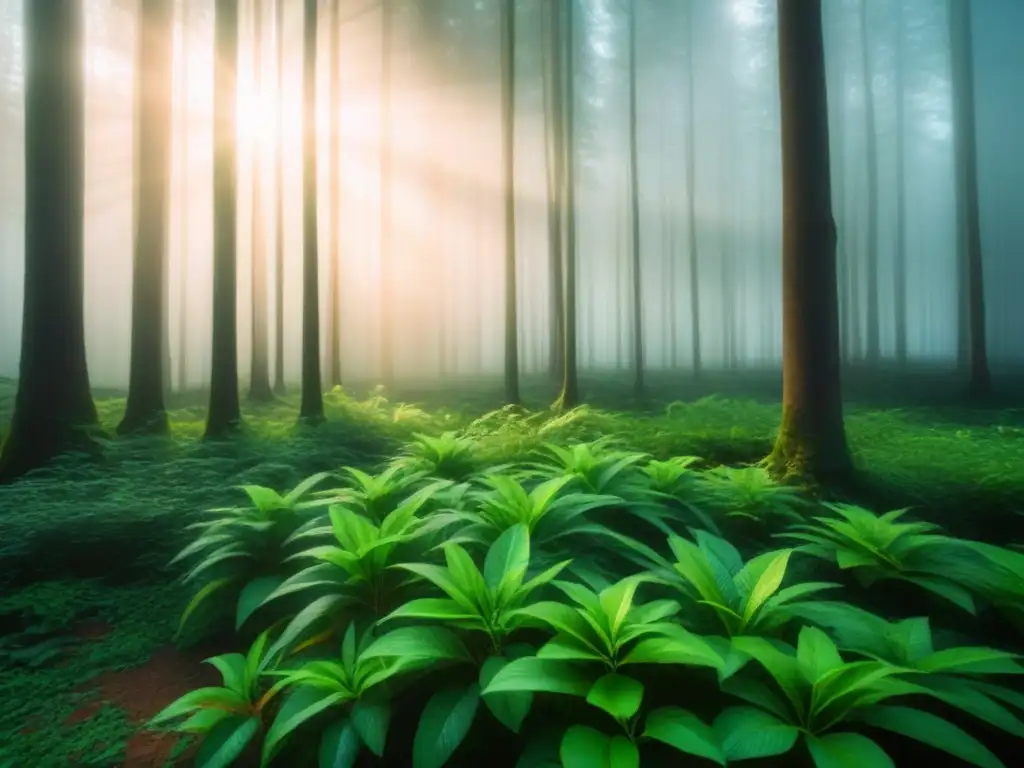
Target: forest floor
x: 88, y: 607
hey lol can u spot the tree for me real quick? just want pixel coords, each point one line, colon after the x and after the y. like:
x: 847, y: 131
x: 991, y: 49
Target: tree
x: 145, y: 411
x: 53, y: 405
x: 387, y: 308
x: 873, y: 342
x: 508, y: 131
x: 691, y: 194
x: 812, y: 440
x: 554, y: 80
x: 634, y: 214
x: 570, y: 395
x: 224, y: 414
x: 259, y: 369
x: 973, y: 349
x: 184, y: 201
x: 311, y: 409
x: 899, y: 284
x: 279, y: 385
x: 334, y: 173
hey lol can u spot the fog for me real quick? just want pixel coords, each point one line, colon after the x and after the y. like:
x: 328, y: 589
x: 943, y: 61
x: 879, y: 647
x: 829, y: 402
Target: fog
x: 447, y: 221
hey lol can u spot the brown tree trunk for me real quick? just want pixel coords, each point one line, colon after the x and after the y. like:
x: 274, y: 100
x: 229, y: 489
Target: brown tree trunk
x: 872, y: 352
x: 334, y: 262
x: 691, y: 190
x: 144, y: 411
x: 183, y: 191
x: 387, y: 305
x: 311, y: 409
x: 225, y: 413
x: 279, y: 385
x: 812, y: 441
x: 634, y: 217
x: 554, y: 80
x: 508, y: 132
x: 53, y: 407
x: 899, y: 285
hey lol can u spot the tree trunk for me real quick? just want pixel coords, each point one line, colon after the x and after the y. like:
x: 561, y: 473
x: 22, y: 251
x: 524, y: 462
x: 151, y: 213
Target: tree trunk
x: 145, y: 410
x: 691, y: 190
x: 508, y: 131
x: 224, y: 414
x: 554, y: 79
x: 570, y: 395
x: 259, y: 369
x: 387, y: 306
x: 973, y: 348
x: 899, y: 285
x: 334, y: 262
x: 184, y: 201
x: 873, y: 349
x: 53, y: 406
x: 311, y: 409
x: 812, y: 441
x: 279, y: 385
x: 634, y: 217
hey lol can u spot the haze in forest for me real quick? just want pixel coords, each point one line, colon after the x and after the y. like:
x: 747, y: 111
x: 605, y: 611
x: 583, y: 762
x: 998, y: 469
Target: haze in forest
x: 888, y: 78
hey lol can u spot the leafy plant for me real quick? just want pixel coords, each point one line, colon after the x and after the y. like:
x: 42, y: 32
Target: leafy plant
x: 352, y: 688
x: 881, y: 547
x: 243, y: 548
x: 593, y: 467
x: 751, y: 493
x: 448, y: 456
x: 228, y: 716
x: 375, y: 496
x: 819, y: 692
x: 675, y: 483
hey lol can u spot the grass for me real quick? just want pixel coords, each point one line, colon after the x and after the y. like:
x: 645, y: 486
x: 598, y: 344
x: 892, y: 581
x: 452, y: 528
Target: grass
x: 90, y: 539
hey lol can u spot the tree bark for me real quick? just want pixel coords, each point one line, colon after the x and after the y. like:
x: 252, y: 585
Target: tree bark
x: 259, y: 369
x: 812, y: 440
x: 183, y: 191
x: 634, y: 217
x: 973, y: 350
x: 899, y: 284
x: 691, y: 190
x: 554, y: 79
x: 224, y: 414
x: 872, y: 352
x: 311, y: 409
x: 145, y: 411
x: 53, y: 408
x: 387, y: 307
x: 279, y: 385
x: 334, y: 262
x: 508, y: 137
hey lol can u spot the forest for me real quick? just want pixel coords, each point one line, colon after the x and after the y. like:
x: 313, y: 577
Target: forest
x: 527, y: 383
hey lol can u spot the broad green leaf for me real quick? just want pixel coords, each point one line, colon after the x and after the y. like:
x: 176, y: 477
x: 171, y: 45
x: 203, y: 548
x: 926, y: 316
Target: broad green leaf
x: 847, y: 750
x: 684, y: 731
x: 690, y: 650
x: 226, y: 742
x: 199, y: 598
x: 438, y: 608
x: 371, y: 717
x: 971, y: 660
x: 203, y: 721
x: 533, y: 674
x: 509, y: 707
x: 766, y: 585
x: 545, y: 577
x: 232, y: 669
x: 264, y: 499
x: 746, y: 733
x: 339, y: 745
x: 508, y: 557
x: 443, y: 579
x: 216, y: 697
x: 562, y: 619
x: 434, y: 643
x: 443, y: 725
x: 616, y: 602
x: 784, y: 668
x: 321, y: 608
x: 252, y: 596
x: 568, y: 649
x: 622, y: 753
x: 817, y: 653
x: 465, y: 573
x: 583, y: 747
x: 616, y: 694
x: 304, y: 703
x: 934, y: 731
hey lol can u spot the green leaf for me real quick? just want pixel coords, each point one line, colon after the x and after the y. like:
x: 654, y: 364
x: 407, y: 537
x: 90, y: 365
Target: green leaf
x: 253, y: 595
x: 437, y: 608
x: 847, y: 750
x: 304, y: 703
x: 971, y: 660
x: 616, y: 602
x: 622, y: 753
x: 226, y: 742
x: 510, y: 707
x: 934, y: 731
x: 339, y: 745
x: 766, y: 585
x: 232, y: 669
x: 321, y: 608
x: 371, y: 717
x: 508, y: 558
x: 443, y: 725
x: 945, y: 589
x: 684, y: 731
x: 214, y: 697
x: 567, y: 648
x: 533, y: 674
x: 616, y: 694
x: 199, y: 598
x: 817, y: 653
x: 746, y: 733
x: 428, y: 643
x: 686, y: 649
x: 583, y: 747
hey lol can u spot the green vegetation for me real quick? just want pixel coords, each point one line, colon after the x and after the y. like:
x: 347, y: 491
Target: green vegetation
x: 418, y: 585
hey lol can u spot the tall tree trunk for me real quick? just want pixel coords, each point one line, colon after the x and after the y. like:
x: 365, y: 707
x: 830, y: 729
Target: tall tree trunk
x: 184, y: 202
x: 873, y: 351
x: 554, y: 79
x: 387, y: 304
x: 508, y: 137
x: 973, y: 355
x: 899, y: 285
x: 225, y: 413
x: 812, y: 441
x: 53, y: 405
x: 145, y: 410
x: 334, y: 262
x: 691, y: 192
x: 634, y: 216
x: 569, y: 397
x: 311, y: 409
x: 838, y: 105
x: 259, y: 369
x: 279, y: 385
